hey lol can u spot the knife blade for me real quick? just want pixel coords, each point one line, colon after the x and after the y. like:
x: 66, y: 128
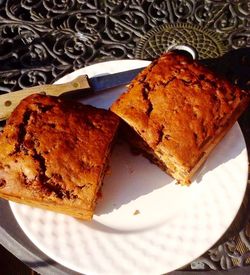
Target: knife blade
x: 9, y: 101
x: 109, y: 81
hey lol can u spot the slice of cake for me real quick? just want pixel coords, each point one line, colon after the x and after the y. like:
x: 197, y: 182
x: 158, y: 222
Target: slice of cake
x: 178, y: 111
x: 54, y: 153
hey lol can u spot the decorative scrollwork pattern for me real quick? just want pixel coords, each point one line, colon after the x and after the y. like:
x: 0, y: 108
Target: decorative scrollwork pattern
x: 207, y: 43
x: 62, y: 36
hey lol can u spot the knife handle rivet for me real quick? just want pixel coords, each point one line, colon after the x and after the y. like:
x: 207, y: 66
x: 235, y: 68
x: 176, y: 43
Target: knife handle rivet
x: 7, y: 103
x: 75, y: 85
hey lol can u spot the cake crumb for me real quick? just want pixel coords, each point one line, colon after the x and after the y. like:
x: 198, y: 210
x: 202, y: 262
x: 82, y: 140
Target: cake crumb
x: 108, y: 171
x: 129, y: 168
x: 136, y: 212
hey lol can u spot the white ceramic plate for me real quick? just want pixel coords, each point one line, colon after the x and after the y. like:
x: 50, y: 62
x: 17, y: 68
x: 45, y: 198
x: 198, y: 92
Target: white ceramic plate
x: 145, y: 223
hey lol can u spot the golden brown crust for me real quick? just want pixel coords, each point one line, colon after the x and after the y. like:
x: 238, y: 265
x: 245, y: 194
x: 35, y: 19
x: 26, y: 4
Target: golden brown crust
x: 179, y: 108
x: 54, y: 154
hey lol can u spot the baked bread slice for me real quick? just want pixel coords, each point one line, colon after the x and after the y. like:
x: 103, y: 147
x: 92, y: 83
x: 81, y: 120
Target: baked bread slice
x: 178, y: 111
x: 53, y: 154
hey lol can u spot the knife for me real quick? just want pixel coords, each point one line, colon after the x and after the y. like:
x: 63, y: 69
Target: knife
x: 82, y: 83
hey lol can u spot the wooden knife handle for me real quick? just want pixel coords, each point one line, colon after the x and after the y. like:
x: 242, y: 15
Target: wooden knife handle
x: 9, y: 101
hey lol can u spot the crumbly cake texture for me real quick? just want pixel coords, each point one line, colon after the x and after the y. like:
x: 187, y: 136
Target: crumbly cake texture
x: 53, y: 154
x: 180, y: 110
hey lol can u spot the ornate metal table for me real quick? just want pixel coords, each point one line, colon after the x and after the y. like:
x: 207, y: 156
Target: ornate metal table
x: 40, y: 41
